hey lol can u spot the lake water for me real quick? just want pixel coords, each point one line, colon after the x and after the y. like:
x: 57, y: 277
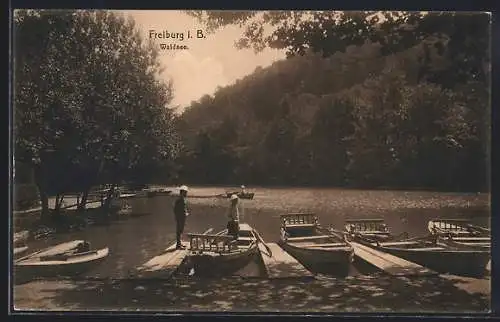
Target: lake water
x: 134, y: 241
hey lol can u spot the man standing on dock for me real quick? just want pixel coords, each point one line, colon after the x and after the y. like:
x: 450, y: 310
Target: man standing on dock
x: 233, y: 225
x: 181, y: 212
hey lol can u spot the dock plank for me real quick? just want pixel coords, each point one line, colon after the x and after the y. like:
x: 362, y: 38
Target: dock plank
x: 388, y: 263
x: 163, y: 265
x: 281, y: 264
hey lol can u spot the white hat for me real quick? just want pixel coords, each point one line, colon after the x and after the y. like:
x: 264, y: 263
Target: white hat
x: 242, y: 187
x: 234, y: 197
x: 183, y: 188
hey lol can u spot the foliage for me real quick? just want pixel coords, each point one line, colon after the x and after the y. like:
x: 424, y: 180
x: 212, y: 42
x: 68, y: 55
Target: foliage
x: 364, y: 100
x: 456, y: 44
x: 88, y: 104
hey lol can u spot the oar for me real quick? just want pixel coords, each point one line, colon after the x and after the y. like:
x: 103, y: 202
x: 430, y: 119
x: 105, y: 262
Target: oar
x: 478, y: 228
x: 30, y: 255
x: 259, y: 238
x: 41, y: 251
x: 335, y: 231
x: 208, y: 231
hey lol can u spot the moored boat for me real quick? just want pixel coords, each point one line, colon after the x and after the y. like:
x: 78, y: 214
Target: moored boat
x: 221, y: 254
x: 317, y: 248
x: 66, y: 259
x: 21, y: 237
x: 461, y: 232
x: 373, y: 229
x: 432, y: 252
x: 19, y: 250
x: 241, y: 195
x: 127, y: 212
x: 158, y: 192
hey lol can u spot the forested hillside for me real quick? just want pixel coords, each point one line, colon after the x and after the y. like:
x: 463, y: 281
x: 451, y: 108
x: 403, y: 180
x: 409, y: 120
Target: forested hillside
x: 360, y: 117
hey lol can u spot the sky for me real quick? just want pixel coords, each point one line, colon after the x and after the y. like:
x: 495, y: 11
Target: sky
x: 207, y: 63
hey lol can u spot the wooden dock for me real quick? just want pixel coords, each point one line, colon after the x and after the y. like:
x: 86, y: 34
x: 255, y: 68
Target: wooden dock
x: 163, y: 265
x: 280, y: 264
x: 388, y: 263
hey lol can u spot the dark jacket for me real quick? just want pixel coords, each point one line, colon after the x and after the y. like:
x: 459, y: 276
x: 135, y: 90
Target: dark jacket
x: 180, y: 207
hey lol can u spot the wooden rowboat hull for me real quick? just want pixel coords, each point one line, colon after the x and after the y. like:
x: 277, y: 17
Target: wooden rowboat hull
x: 466, y: 262
x: 320, y: 260
x: 74, y: 266
x: 223, y: 264
x: 220, y: 261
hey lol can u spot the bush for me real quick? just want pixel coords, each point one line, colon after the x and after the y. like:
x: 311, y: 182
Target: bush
x: 25, y: 196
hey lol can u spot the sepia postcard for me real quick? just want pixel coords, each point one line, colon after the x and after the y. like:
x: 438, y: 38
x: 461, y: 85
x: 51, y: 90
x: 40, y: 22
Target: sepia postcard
x: 251, y: 161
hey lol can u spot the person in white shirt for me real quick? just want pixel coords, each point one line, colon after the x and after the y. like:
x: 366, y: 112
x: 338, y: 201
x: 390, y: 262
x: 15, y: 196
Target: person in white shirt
x: 233, y: 225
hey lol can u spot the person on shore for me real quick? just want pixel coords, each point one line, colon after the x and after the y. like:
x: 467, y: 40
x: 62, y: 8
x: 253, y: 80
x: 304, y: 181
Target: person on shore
x: 233, y: 225
x: 243, y: 189
x: 180, y: 212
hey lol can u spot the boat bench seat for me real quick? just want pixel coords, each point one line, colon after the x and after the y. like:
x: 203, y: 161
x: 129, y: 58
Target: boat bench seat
x: 323, y: 245
x: 300, y: 226
x: 371, y: 232
x: 397, y: 243
x: 56, y: 257
x: 472, y: 238
x: 428, y: 248
x: 308, y: 238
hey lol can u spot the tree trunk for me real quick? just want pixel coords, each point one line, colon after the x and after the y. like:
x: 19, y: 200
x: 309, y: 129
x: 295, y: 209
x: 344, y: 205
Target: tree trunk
x: 59, y: 201
x: 83, y: 202
x: 109, y: 197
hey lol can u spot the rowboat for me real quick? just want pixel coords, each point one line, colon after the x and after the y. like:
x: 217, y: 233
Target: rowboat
x: 43, y: 232
x: 220, y: 254
x: 21, y: 237
x: 66, y: 259
x: 317, y: 248
x: 19, y: 250
x: 374, y: 229
x: 241, y: 195
x: 432, y: 252
x: 461, y: 232
x: 160, y: 192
